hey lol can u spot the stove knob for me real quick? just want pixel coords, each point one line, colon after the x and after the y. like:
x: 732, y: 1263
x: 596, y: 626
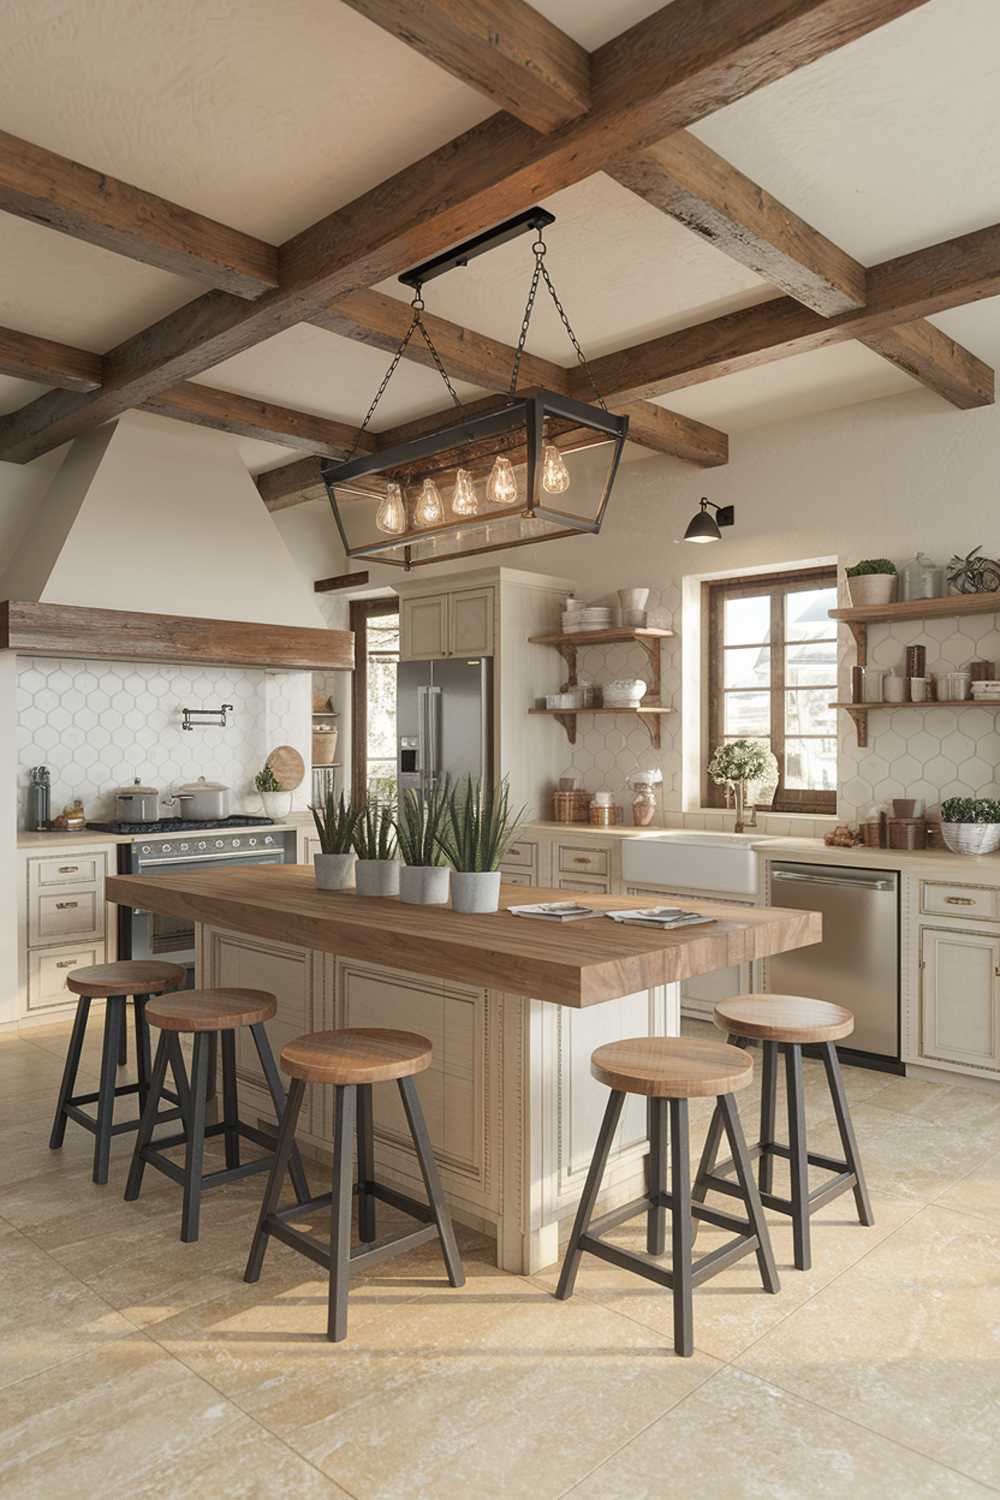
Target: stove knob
x: 184, y: 848
x: 147, y: 848
x: 219, y: 844
x: 202, y: 844
x: 165, y: 848
x: 269, y: 840
x: 235, y: 844
x: 252, y: 843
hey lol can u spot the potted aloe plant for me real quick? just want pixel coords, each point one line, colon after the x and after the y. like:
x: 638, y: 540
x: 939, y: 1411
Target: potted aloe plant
x: 971, y: 825
x: 420, y: 821
x: 479, y: 831
x: 336, y: 824
x: 872, y: 581
x: 377, y: 870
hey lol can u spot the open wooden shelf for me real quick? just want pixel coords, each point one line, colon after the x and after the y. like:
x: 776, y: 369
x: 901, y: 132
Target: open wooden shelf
x: 647, y: 713
x: 859, y: 711
x: 602, y: 637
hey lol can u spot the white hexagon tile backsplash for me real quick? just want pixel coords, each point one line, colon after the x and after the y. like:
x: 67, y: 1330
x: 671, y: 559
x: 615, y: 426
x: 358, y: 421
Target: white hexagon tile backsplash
x: 99, y: 725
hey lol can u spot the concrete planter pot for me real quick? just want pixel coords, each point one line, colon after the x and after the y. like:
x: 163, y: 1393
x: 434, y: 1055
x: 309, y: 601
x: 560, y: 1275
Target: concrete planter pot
x: 475, y: 890
x: 377, y: 877
x: 872, y: 589
x: 424, y: 885
x: 334, y: 872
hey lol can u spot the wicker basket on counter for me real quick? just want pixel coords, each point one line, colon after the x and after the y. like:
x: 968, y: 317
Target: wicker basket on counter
x: 571, y: 807
x: 907, y: 833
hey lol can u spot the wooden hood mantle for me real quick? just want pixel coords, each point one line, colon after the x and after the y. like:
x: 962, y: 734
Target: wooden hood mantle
x: 121, y: 635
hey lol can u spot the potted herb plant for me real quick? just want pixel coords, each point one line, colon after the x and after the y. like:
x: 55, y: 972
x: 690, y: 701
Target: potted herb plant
x: 336, y: 823
x: 479, y: 830
x: 735, y: 764
x: 277, y: 801
x: 420, y: 821
x: 872, y: 581
x: 971, y: 825
x: 377, y: 870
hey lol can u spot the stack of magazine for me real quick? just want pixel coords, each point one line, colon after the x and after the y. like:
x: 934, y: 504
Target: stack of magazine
x: 555, y: 911
x: 665, y: 917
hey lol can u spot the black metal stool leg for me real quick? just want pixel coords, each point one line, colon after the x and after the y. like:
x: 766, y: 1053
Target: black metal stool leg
x: 141, y: 1047
x: 768, y: 1114
x: 295, y: 1168
x: 123, y: 1044
x: 288, y: 1120
x: 656, y: 1216
x: 585, y: 1211
x: 681, y: 1238
x: 432, y: 1181
x: 230, y: 1105
x: 114, y: 1018
x: 798, y: 1159
x: 70, y: 1070
x: 706, y: 1166
x: 831, y: 1063
x: 175, y: 1057
x: 340, y: 1211
x: 211, y: 1074
x: 751, y: 1194
x: 366, y: 1165
x: 148, y: 1122
x: 195, y: 1155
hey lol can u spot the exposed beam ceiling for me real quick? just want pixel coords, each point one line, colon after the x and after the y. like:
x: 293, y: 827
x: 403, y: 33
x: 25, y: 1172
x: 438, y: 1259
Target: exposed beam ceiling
x: 291, y: 484
x: 934, y: 359
x: 503, y: 48
x: 247, y: 417
x: 49, y: 189
x: 679, y: 64
x: 30, y: 358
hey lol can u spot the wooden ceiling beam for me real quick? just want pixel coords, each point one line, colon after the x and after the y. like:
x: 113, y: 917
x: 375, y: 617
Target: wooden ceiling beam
x: 937, y: 362
x: 291, y: 484
x: 30, y: 358
x: 245, y: 416
x: 684, y: 61
x: 49, y: 189
x: 503, y: 48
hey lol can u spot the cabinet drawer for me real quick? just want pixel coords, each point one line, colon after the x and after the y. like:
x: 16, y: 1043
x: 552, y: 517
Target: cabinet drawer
x: 69, y: 869
x: 68, y: 913
x: 964, y: 901
x: 521, y: 856
x: 516, y: 877
x: 574, y: 859
x: 47, y: 970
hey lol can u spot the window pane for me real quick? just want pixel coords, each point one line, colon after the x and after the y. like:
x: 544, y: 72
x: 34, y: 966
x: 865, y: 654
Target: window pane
x: 808, y: 711
x: 747, y: 621
x: 748, y: 666
x: 747, y: 715
x: 806, y: 614
x: 811, y: 664
x: 811, y: 765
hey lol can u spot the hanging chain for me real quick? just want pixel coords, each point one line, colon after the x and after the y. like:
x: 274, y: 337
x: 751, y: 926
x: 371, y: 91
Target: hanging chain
x: 539, y: 249
x: 541, y: 271
x: 416, y: 324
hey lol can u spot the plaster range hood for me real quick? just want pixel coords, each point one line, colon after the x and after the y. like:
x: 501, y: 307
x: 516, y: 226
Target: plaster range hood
x: 152, y: 544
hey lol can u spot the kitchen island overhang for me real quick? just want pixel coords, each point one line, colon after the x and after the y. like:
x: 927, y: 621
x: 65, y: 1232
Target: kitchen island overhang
x: 513, y: 1008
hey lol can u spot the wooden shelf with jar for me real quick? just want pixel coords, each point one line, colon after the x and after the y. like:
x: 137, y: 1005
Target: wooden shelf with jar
x: 568, y: 644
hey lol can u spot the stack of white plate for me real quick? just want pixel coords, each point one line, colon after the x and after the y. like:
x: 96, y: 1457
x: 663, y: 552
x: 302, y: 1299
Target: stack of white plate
x: 986, y: 690
x: 595, y: 617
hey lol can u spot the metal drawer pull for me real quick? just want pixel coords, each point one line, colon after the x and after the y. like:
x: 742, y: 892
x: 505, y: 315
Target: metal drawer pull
x: 69, y: 869
x: 959, y: 901
x: 514, y: 849
x: 581, y: 859
x: 67, y: 905
x: 65, y: 963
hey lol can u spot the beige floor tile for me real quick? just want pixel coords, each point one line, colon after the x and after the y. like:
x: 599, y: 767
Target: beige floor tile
x: 958, y: 1104
x: 907, y: 1342
x: 978, y: 1192
x: 903, y: 1156
x: 739, y: 1438
x: 242, y: 1462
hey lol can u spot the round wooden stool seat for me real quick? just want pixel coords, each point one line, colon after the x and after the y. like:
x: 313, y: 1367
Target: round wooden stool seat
x: 356, y: 1055
x: 667, y: 1067
x: 212, y: 1010
x: 784, y: 1018
x: 136, y: 976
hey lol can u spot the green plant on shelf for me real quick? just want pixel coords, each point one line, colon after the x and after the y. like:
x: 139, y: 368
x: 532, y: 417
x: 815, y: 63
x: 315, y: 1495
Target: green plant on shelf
x: 970, y: 810
x: 871, y: 565
x: 336, y: 824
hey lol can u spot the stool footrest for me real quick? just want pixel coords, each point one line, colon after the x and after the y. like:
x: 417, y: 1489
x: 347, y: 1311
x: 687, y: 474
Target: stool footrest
x: 120, y: 1092
x: 365, y: 1255
x: 123, y: 1126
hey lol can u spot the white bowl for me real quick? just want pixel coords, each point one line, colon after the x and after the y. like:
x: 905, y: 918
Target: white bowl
x: 625, y: 687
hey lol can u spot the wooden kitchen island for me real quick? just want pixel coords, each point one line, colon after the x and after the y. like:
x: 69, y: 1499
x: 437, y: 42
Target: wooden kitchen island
x: 513, y: 1009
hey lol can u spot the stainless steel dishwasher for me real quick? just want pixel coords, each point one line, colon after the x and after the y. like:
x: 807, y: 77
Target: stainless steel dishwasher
x: 857, y: 963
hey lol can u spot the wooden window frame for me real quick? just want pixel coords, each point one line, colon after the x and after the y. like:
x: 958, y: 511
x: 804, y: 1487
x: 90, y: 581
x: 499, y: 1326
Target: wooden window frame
x: 714, y: 596
x: 363, y: 610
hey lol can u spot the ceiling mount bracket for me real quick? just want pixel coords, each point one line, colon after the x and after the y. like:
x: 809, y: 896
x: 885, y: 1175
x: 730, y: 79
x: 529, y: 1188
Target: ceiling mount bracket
x: 460, y: 255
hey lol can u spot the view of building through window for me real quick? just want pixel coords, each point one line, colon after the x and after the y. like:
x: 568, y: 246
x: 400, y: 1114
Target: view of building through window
x: 383, y: 659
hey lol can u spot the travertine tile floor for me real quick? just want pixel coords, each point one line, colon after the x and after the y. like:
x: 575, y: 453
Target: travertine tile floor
x: 133, y: 1365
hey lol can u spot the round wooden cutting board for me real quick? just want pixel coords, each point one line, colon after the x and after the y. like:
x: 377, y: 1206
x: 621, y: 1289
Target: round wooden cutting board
x: 288, y: 766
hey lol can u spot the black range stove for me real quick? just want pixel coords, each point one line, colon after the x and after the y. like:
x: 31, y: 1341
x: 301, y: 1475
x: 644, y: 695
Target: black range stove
x: 182, y: 825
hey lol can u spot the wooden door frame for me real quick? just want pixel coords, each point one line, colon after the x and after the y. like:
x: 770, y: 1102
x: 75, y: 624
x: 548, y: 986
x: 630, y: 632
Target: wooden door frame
x: 363, y: 610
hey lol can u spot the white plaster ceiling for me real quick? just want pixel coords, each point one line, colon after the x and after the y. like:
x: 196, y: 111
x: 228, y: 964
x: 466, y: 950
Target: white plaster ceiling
x: 268, y: 116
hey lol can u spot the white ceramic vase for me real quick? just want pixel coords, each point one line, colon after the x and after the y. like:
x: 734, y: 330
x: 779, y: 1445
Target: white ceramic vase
x: 424, y: 885
x: 872, y: 589
x: 276, y: 804
x: 377, y: 877
x: 475, y: 890
x: 334, y: 872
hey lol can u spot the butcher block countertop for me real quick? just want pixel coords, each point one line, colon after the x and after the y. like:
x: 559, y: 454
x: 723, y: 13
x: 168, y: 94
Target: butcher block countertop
x: 575, y: 964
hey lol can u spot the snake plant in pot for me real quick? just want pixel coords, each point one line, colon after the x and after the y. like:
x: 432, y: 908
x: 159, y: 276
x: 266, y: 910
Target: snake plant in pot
x: 377, y: 870
x: 420, y: 821
x: 479, y: 831
x: 336, y: 823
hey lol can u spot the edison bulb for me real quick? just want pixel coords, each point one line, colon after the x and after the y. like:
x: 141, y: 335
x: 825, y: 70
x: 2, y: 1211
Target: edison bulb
x: 391, y: 514
x: 555, y: 475
x: 463, y: 498
x: 430, y: 507
x: 501, y: 487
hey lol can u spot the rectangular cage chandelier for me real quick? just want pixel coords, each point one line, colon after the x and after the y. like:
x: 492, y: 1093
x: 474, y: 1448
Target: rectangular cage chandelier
x: 542, y: 466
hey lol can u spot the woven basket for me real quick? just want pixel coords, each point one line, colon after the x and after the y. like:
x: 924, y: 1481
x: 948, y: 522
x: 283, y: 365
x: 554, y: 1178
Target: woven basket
x: 971, y: 838
x: 571, y: 807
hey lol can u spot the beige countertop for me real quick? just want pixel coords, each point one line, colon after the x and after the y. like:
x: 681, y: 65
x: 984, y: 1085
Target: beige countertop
x: 979, y: 868
x: 591, y: 830
x: 85, y: 837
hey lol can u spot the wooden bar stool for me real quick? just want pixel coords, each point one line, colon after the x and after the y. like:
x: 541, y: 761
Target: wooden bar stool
x: 669, y: 1071
x: 785, y: 1024
x: 352, y: 1060
x: 205, y: 1015
x: 113, y: 983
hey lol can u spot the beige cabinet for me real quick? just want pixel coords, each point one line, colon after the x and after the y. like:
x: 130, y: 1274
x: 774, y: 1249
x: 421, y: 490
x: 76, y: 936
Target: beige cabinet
x: 470, y: 622
x: 960, y: 998
x: 62, y: 922
x: 457, y: 623
x: 423, y: 628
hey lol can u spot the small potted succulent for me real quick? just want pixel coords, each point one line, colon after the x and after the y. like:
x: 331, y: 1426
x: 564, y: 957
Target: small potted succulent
x: 336, y: 823
x: 420, y: 821
x: 480, y: 829
x: 971, y: 825
x: 736, y: 764
x: 377, y: 870
x: 872, y: 582
x: 276, y: 799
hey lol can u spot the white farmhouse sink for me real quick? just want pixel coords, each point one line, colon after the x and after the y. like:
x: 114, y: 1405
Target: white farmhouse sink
x: 687, y: 860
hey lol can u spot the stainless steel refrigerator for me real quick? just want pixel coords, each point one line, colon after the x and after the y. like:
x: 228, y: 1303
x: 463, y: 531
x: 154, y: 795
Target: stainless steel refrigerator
x: 444, y: 720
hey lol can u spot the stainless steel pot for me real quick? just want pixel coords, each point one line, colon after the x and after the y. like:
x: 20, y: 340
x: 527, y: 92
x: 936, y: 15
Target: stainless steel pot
x: 137, y: 803
x: 203, y: 799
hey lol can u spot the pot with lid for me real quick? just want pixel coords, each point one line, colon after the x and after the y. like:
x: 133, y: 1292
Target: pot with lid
x: 137, y: 803
x: 201, y: 799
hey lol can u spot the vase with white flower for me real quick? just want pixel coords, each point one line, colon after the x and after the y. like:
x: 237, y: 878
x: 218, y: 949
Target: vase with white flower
x: 735, y: 764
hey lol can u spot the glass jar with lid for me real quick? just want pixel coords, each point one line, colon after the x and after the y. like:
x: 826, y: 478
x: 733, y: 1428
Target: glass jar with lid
x: 921, y: 578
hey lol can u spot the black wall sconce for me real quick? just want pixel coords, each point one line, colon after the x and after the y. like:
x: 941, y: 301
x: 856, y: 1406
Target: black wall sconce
x: 705, y: 528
